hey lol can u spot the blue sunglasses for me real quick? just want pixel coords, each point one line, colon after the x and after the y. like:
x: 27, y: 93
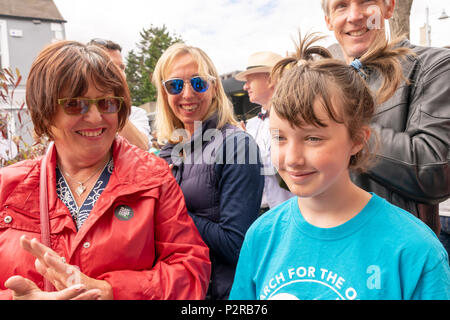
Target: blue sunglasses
x: 199, y: 84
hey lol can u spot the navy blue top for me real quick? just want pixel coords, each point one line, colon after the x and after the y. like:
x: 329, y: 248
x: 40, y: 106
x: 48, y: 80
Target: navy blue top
x: 222, y: 182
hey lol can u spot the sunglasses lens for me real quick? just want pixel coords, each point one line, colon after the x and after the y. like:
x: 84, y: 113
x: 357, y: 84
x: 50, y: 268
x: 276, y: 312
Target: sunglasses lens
x: 199, y: 84
x: 174, y: 86
x: 109, y: 105
x: 75, y: 106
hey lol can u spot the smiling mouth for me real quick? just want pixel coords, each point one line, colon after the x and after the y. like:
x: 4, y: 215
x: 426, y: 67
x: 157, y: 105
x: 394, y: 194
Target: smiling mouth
x: 189, y: 108
x: 303, y: 174
x: 91, y: 133
x: 357, y: 33
x: 300, y: 177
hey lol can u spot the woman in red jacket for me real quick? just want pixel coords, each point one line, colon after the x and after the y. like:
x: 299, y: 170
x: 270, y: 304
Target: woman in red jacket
x: 117, y: 218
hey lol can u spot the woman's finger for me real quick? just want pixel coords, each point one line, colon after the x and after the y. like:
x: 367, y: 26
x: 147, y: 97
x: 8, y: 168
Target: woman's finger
x: 56, y: 263
x: 20, y: 285
x: 93, y: 294
x: 69, y: 293
x: 25, y: 289
x: 41, y: 267
x: 35, y: 244
x: 35, y: 247
x: 62, y: 275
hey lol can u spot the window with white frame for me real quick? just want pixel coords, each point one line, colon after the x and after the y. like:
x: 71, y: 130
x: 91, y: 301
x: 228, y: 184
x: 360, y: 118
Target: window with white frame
x: 57, y: 31
x: 4, y: 53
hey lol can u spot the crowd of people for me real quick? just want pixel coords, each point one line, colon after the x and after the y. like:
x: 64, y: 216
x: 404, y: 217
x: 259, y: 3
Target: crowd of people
x: 331, y: 192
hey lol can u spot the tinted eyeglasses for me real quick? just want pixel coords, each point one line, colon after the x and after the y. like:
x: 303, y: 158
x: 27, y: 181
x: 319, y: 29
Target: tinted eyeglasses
x: 77, y: 106
x: 199, y: 84
x: 98, y: 41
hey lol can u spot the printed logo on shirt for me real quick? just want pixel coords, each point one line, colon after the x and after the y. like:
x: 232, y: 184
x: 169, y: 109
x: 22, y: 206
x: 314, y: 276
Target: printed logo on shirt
x: 321, y: 283
x: 123, y: 213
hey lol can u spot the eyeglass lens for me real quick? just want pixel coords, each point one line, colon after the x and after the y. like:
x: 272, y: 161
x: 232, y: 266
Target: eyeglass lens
x: 175, y: 86
x: 81, y: 106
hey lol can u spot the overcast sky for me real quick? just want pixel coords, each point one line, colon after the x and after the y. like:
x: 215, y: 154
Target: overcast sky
x: 228, y: 30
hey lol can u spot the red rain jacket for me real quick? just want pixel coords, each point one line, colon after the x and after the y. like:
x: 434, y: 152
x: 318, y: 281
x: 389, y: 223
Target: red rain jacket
x: 152, y: 252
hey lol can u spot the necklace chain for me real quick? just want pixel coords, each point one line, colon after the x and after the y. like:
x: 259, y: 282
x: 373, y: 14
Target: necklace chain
x: 81, y: 188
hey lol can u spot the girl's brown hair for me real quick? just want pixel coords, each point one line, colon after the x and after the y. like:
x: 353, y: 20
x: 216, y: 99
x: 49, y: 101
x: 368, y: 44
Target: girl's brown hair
x: 311, y: 73
x: 65, y: 69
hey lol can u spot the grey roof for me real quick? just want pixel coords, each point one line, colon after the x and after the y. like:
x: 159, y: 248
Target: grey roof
x: 232, y: 85
x: 32, y: 9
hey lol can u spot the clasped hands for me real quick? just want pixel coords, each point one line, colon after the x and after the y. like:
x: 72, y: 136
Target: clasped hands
x: 68, y: 280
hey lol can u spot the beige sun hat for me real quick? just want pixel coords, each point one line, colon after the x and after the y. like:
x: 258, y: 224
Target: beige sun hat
x: 259, y: 62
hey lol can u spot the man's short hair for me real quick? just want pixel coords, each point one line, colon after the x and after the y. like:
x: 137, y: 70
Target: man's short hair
x: 106, y: 44
x: 325, y: 5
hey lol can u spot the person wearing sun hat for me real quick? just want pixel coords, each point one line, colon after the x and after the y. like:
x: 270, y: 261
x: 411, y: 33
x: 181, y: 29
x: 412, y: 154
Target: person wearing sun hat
x: 260, y: 89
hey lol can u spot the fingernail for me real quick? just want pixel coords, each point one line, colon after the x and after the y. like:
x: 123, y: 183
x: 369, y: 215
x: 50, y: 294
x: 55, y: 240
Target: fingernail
x: 78, y: 287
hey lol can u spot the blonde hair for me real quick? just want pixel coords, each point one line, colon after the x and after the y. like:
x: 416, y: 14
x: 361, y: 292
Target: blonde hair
x: 319, y: 76
x: 166, y: 121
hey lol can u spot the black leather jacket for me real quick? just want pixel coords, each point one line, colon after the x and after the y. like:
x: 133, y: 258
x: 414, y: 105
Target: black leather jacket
x: 412, y: 169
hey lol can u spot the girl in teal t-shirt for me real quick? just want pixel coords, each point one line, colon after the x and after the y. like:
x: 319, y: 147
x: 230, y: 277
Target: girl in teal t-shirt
x: 335, y: 240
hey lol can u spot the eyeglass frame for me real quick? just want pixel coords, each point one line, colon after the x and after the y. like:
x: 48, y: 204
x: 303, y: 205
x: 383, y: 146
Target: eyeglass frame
x: 99, y: 41
x: 209, y: 79
x: 62, y: 101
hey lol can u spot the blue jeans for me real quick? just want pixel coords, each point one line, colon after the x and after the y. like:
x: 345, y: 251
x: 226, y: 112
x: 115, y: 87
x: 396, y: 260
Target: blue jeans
x: 445, y: 233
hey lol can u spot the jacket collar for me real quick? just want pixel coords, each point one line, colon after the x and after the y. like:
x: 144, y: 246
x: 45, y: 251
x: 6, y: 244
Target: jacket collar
x: 134, y: 170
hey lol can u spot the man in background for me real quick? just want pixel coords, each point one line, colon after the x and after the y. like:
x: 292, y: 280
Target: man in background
x: 137, y: 128
x: 412, y: 169
x: 260, y: 89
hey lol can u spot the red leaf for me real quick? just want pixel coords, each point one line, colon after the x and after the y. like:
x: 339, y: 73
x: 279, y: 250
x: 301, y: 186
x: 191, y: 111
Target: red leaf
x: 8, y: 72
x: 18, y: 81
x: 5, y: 87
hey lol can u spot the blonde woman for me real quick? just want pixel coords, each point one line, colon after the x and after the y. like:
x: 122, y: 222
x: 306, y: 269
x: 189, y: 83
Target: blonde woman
x: 216, y: 164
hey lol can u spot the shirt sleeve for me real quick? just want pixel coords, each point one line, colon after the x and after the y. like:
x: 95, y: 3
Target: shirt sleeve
x: 139, y: 119
x: 434, y: 284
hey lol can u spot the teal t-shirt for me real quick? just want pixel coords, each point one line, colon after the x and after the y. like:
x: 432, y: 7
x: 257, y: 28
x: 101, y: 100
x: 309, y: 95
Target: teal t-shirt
x: 382, y: 253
